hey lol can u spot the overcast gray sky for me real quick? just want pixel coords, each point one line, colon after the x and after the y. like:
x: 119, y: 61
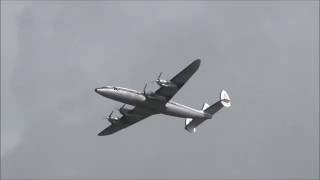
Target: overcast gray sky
x: 265, y: 54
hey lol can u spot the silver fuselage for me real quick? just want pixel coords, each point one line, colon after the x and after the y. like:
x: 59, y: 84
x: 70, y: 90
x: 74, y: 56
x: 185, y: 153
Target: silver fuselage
x: 151, y: 102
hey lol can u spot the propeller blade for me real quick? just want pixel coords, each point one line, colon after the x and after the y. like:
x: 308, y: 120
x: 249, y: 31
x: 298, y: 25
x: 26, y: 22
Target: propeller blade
x: 144, y: 89
x: 159, y: 76
x: 110, y: 114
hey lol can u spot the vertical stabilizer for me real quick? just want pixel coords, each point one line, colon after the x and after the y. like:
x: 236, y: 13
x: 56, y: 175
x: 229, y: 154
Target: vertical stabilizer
x: 205, y: 106
x: 188, y: 126
x: 225, y: 99
x: 187, y: 121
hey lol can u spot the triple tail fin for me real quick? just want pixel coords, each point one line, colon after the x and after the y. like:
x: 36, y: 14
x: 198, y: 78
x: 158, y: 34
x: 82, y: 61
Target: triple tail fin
x: 225, y: 101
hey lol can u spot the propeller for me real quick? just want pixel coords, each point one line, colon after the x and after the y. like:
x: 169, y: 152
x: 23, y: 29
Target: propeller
x: 165, y: 83
x: 144, y: 89
x: 110, y: 115
x: 158, y: 79
x: 112, y: 119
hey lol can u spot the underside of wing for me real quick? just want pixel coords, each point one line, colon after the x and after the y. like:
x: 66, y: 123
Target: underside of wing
x: 135, y: 115
x: 179, y: 80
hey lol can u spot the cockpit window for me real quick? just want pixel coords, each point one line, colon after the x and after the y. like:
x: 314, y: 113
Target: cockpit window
x: 115, y: 88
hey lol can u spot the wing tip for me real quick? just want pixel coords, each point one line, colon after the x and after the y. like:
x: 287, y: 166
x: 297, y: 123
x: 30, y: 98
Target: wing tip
x: 194, y: 65
x: 101, y: 134
x: 197, y: 61
x: 104, y: 133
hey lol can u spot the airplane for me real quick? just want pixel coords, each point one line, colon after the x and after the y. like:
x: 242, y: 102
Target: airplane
x: 159, y: 102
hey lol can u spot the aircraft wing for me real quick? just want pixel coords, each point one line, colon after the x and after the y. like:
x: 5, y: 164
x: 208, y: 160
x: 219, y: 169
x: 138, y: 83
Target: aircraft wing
x: 136, y: 114
x: 179, y: 80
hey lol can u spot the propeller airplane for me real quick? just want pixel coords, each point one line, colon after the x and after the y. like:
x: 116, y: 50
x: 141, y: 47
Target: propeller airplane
x: 159, y: 102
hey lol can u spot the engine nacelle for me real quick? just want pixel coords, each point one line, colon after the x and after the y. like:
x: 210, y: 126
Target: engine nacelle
x: 165, y: 83
x: 124, y: 111
x: 113, y: 120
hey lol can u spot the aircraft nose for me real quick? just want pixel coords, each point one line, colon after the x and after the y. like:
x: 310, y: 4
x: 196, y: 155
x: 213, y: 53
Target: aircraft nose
x: 97, y: 90
x: 103, y: 91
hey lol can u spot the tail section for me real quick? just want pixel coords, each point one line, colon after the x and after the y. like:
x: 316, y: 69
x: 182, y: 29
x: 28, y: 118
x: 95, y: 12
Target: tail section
x: 189, y: 127
x: 225, y: 101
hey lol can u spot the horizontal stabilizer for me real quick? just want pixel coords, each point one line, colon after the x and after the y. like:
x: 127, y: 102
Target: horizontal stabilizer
x: 224, y: 102
x: 205, y: 106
